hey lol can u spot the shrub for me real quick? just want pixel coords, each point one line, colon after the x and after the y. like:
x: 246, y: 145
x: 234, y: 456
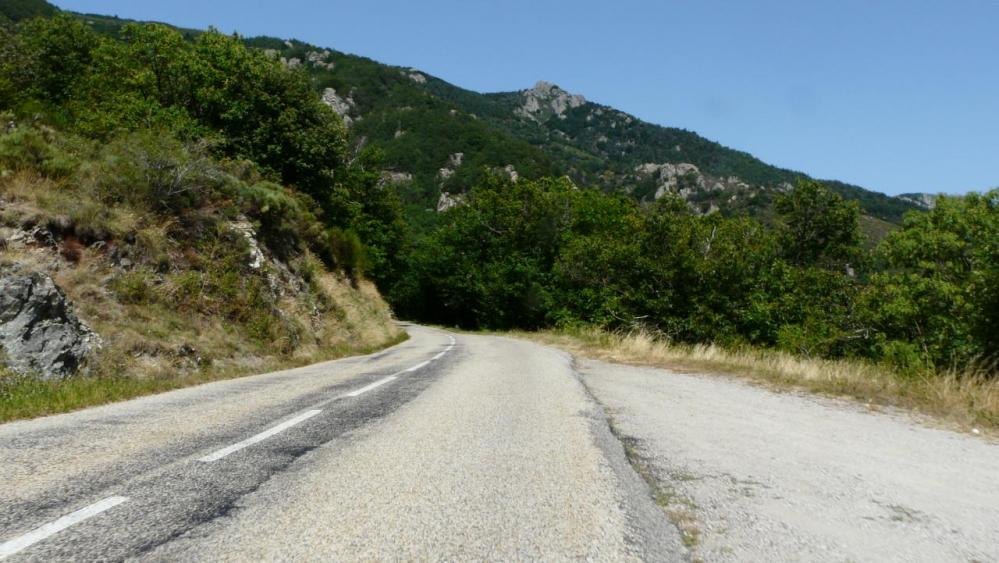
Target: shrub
x: 286, y: 218
x: 133, y: 287
x: 153, y: 170
x: 347, y: 252
x: 28, y: 148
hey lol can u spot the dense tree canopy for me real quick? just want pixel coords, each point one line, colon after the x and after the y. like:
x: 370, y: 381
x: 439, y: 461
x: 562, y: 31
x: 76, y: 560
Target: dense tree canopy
x: 530, y: 254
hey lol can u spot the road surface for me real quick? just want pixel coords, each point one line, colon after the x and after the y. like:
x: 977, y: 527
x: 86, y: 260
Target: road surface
x: 476, y: 447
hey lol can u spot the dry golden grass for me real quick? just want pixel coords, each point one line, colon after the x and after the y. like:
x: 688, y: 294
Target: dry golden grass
x: 968, y: 399
x: 28, y: 194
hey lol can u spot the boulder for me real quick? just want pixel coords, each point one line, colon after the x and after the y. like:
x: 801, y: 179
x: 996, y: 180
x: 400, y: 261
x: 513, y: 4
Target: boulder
x: 39, y: 333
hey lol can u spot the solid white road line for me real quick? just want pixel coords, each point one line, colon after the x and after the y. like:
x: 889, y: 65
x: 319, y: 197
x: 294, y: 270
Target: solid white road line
x: 367, y: 388
x: 260, y: 437
x: 17, y: 544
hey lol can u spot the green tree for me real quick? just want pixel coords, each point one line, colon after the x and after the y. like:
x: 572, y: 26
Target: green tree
x: 938, y: 290
x: 489, y: 263
x: 818, y: 226
x: 57, y: 51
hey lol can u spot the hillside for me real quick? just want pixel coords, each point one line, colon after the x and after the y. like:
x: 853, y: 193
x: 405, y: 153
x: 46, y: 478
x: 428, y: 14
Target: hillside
x: 154, y: 292
x: 421, y: 121
x: 438, y: 139
x: 173, y: 211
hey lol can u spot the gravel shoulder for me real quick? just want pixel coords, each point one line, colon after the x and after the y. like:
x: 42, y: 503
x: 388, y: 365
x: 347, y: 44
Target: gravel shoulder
x: 759, y: 475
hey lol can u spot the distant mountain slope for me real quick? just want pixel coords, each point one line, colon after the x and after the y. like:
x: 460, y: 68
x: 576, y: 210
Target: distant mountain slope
x: 444, y: 136
x: 17, y: 10
x: 601, y: 146
x: 438, y: 139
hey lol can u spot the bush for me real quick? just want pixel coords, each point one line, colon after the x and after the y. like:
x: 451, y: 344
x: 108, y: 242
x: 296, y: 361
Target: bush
x: 153, y: 170
x: 133, y: 287
x: 28, y: 148
x: 347, y: 252
x: 286, y: 218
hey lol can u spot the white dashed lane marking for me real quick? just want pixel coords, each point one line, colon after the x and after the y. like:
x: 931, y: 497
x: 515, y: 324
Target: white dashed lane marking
x: 219, y: 454
x: 38, y: 534
x: 367, y: 388
x: 260, y: 437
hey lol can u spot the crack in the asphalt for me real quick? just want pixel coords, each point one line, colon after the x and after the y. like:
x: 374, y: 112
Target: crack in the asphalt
x: 649, y: 527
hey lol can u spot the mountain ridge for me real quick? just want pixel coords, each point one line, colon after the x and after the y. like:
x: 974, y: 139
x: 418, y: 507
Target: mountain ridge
x: 420, y: 122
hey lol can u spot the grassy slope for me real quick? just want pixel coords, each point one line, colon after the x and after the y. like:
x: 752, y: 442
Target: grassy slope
x: 171, y: 292
x: 153, y: 345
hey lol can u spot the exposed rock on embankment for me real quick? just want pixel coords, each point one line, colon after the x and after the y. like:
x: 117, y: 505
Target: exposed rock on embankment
x: 39, y: 331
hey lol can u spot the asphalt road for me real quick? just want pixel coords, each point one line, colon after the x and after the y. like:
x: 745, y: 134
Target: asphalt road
x: 458, y: 447
x: 444, y: 447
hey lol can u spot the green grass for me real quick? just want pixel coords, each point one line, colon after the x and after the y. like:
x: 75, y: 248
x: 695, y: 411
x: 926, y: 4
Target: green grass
x: 25, y: 397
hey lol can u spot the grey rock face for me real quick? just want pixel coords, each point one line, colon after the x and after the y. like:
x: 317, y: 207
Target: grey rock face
x: 547, y: 98
x: 924, y: 201
x: 510, y: 172
x: 39, y: 332
x: 321, y: 59
x: 342, y: 106
x: 668, y: 176
x: 245, y: 228
x: 449, y: 200
x: 389, y: 177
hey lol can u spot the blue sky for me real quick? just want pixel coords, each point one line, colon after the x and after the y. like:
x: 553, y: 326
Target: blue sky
x: 897, y: 96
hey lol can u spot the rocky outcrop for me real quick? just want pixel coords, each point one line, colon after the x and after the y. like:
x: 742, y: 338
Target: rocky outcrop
x: 39, y: 332
x: 245, y: 228
x: 342, y: 106
x: 547, y: 99
x: 510, y: 172
x: 453, y: 162
x: 923, y: 201
x: 416, y: 77
x: 682, y: 178
x: 321, y: 59
x: 449, y: 200
x: 389, y: 177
